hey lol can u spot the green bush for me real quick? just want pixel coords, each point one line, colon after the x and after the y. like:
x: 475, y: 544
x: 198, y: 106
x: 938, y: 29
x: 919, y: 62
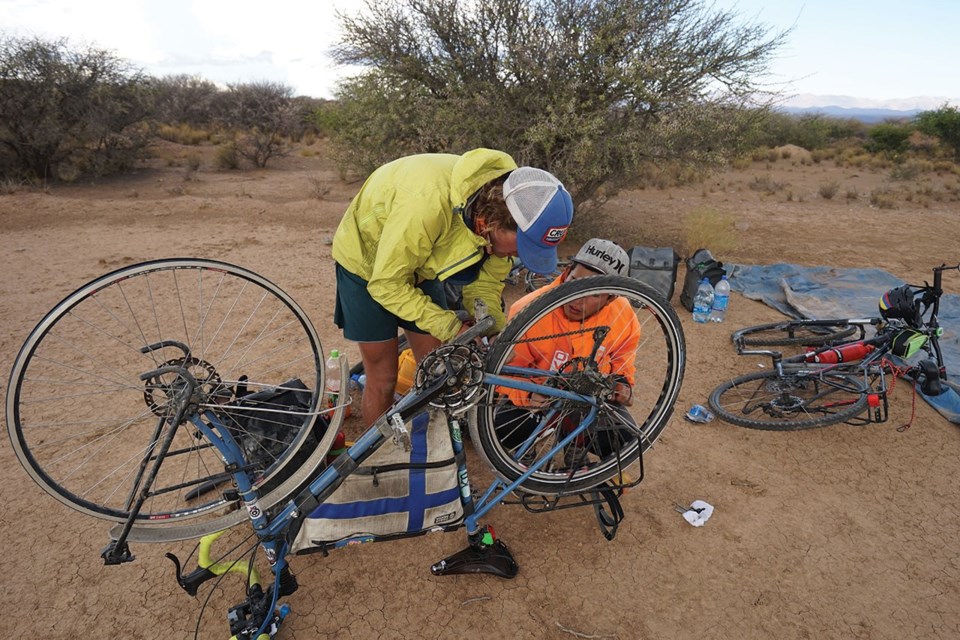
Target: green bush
x: 944, y: 123
x: 888, y: 138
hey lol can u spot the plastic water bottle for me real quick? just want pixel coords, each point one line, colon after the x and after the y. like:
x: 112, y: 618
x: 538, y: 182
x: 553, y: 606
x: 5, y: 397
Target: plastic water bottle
x: 332, y: 395
x: 721, y: 298
x: 703, y: 301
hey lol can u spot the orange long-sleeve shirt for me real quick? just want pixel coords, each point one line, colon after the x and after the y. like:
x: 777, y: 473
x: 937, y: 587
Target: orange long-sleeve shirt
x: 616, y: 353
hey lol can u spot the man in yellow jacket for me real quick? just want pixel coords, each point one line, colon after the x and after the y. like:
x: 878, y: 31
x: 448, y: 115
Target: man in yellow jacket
x: 425, y: 219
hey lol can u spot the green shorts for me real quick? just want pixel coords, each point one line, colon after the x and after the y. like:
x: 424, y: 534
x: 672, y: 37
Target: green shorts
x: 363, y: 319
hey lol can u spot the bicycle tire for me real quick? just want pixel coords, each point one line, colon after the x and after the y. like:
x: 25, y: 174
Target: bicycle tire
x: 794, y: 332
x: 660, y: 359
x: 780, y: 399
x: 84, y: 445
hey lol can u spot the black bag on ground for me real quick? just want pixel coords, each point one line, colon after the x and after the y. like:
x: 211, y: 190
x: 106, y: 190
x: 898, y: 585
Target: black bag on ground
x: 264, y: 423
x: 699, y: 266
x: 656, y: 266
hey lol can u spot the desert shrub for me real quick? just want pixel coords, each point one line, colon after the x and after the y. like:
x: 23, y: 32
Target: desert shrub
x: 810, y: 130
x: 857, y: 159
x: 262, y: 114
x: 661, y: 175
x: 829, y: 189
x: 81, y: 107
x: 877, y: 162
x: 192, y: 163
x: 766, y: 184
x: 185, y: 100
x: 888, y: 138
x: 944, y: 123
x: 910, y: 169
x: 227, y: 156
x: 852, y: 194
x: 772, y: 155
x: 599, y: 88
x: 882, y: 198
x: 740, y: 163
x: 830, y: 153
x: 326, y: 118
x: 707, y: 227
x: 318, y: 188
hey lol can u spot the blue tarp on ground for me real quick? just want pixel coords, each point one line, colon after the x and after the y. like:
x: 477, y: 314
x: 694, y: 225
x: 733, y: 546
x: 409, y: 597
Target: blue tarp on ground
x: 827, y: 292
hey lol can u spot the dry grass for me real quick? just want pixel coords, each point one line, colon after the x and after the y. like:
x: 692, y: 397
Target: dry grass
x: 183, y: 134
x: 829, y: 189
x: 318, y: 188
x: 707, y: 227
x: 882, y: 198
x: 227, y: 156
x: 766, y: 184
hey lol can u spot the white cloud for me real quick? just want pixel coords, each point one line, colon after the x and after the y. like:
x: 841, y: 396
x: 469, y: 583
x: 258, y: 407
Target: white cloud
x: 119, y: 26
x: 224, y: 41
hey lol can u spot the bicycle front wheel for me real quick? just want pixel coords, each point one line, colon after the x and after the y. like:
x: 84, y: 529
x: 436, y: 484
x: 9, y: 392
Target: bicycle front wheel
x: 795, y: 333
x: 635, y: 338
x: 789, y: 401
x: 85, y: 424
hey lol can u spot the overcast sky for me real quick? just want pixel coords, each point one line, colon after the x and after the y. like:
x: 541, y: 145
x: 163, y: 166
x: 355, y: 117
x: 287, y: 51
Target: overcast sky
x: 876, y: 49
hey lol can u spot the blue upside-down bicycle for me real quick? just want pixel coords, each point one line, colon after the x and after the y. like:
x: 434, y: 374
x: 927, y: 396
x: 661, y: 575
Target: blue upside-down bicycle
x: 181, y: 397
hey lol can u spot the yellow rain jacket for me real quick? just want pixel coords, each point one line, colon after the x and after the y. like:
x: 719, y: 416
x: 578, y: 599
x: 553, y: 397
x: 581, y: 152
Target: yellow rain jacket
x: 406, y: 226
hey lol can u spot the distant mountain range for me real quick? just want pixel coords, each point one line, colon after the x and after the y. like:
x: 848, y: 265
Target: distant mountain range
x: 864, y: 109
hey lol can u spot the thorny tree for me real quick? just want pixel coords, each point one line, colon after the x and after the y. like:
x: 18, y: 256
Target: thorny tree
x: 263, y: 114
x: 588, y: 89
x: 65, y: 109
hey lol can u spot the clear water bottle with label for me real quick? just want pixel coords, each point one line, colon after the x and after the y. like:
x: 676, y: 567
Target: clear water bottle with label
x: 703, y: 301
x: 332, y: 393
x: 721, y: 298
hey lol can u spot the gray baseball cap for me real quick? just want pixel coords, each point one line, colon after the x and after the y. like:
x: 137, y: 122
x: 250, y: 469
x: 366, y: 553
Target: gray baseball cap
x: 604, y: 256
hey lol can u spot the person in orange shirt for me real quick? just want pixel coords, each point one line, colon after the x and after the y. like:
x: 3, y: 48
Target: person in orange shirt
x: 546, y: 347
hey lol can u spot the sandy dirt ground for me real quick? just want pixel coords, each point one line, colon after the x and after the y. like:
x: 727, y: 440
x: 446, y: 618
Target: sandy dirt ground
x: 840, y: 532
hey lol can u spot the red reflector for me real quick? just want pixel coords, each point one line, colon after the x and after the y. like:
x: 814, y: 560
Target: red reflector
x: 873, y: 399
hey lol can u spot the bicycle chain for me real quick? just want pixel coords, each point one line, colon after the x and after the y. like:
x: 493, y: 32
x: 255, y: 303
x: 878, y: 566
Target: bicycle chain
x: 557, y: 335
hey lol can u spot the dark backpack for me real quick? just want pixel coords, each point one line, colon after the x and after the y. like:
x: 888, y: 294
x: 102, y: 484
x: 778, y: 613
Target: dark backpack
x: 699, y: 266
x: 656, y: 266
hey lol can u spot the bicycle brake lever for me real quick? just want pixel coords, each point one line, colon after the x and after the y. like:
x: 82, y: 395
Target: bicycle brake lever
x: 192, y: 581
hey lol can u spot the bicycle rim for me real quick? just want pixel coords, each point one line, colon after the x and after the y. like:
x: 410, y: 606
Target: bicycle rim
x: 83, y: 422
x: 798, y: 333
x: 611, y: 443
x: 769, y: 401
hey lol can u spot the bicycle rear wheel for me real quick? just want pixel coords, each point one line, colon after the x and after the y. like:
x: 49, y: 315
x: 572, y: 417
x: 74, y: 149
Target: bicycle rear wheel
x: 85, y: 425
x: 655, y: 360
x: 794, y: 400
x: 795, y: 332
